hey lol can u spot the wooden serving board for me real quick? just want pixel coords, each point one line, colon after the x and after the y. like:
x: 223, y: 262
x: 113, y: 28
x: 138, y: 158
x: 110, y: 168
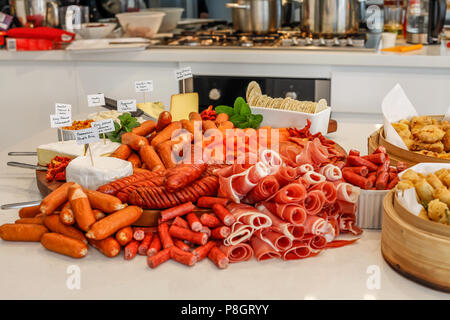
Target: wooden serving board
x: 417, y: 254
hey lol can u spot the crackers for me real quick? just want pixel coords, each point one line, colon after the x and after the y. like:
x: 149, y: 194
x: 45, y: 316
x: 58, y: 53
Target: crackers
x: 255, y: 98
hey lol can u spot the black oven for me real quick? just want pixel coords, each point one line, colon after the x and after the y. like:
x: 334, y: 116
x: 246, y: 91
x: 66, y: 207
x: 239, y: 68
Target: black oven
x: 223, y: 90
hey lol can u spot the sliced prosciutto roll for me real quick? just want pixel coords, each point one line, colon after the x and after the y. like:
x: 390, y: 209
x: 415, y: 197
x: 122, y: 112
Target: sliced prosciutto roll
x: 265, y: 188
x: 249, y: 215
x: 291, y: 212
x: 271, y: 159
x: 314, y: 153
x: 312, y: 178
x: 236, y: 186
x: 286, y: 175
x: 347, y: 223
x: 315, y: 241
x: 331, y: 172
x: 277, y: 241
x: 293, y: 232
x: 299, y: 250
x: 304, y: 168
x: 237, y: 253
x: 263, y: 250
x: 314, y: 202
x: 292, y: 193
x: 328, y: 190
x: 319, y: 226
x: 239, y: 233
x: 289, y: 151
x: 348, y: 192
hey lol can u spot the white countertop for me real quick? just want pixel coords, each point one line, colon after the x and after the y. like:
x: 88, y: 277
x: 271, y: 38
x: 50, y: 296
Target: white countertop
x: 435, y: 56
x: 28, y: 271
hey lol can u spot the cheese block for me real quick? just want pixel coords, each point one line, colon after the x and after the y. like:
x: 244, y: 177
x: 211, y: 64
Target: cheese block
x: 182, y: 104
x: 104, y: 170
x: 71, y: 149
x: 153, y: 109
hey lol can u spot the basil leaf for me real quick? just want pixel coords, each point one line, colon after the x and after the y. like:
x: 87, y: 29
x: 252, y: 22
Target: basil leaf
x: 224, y: 109
x: 243, y: 125
x: 236, y: 119
x: 238, y: 103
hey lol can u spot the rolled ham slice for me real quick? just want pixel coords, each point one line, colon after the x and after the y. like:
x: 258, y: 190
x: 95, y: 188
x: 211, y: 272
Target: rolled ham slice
x: 239, y: 233
x: 299, y: 250
x: 319, y: 226
x: 328, y: 190
x: 249, y: 215
x: 297, y: 232
x: 304, y: 168
x: 271, y: 159
x: 292, y: 193
x: 289, y: 151
x: 347, y: 223
x: 347, y: 192
x: 314, y: 202
x: 331, y: 172
x: 237, y: 253
x: 277, y: 241
x: 314, y: 153
x: 313, y: 178
x: 286, y: 175
x: 236, y: 186
x: 265, y: 188
x: 279, y: 225
x: 291, y: 212
x: 262, y: 250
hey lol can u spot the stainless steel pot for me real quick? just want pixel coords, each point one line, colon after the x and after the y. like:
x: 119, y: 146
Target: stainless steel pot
x: 330, y: 17
x: 256, y: 16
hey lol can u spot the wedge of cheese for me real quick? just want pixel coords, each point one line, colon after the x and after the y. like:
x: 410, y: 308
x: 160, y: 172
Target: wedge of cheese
x: 71, y: 149
x: 182, y: 104
x: 104, y: 170
x: 153, y: 109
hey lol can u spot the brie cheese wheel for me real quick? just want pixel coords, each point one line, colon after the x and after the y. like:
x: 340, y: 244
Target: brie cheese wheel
x: 104, y: 170
x: 71, y: 149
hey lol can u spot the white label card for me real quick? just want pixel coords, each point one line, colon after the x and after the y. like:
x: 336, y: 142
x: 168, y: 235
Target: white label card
x: 144, y: 86
x: 63, y: 109
x: 126, y: 105
x: 89, y: 135
x: 104, y: 126
x: 58, y: 121
x: 182, y: 74
x: 96, y: 100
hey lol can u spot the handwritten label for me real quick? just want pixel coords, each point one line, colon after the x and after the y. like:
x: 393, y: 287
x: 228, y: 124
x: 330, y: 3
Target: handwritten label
x: 182, y: 74
x: 63, y: 109
x: 144, y: 86
x: 96, y: 100
x: 104, y: 126
x: 126, y: 105
x: 58, y: 121
x: 89, y: 135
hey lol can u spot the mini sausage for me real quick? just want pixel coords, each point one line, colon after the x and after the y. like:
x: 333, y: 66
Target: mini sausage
x: 82, y: 211
x: 164, y: 119
x: 135, y: 160
x: 104, y: 202
x: 134, y: 141
x: 166, y: 133
x: 151, y: 158
x: 115, y: 221
x: 66, y: 216
x: 109, y: 246
x: 22, y: 232
x: 122, y: 152
x: 64, y: 245
x: 54, y: 225
x: 35, y: 220
x: 55, y: 199
x: 145, y: 128
x: 29, y: 212
x: 124, y: 235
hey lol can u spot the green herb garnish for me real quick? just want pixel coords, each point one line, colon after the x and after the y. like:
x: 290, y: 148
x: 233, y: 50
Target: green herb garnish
x: 241, y: 114
x: 127, y: 123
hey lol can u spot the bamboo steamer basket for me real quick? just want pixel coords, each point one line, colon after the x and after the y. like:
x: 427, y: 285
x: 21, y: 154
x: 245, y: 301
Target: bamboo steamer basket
x: 418, y: 251
x: 397, y: 154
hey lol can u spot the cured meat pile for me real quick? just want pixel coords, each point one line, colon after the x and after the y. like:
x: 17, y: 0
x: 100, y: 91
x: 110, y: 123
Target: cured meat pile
x: 298, y: 210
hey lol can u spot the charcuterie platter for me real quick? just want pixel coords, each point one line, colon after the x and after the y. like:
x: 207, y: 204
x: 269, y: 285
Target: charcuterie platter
x: 192, y: 185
